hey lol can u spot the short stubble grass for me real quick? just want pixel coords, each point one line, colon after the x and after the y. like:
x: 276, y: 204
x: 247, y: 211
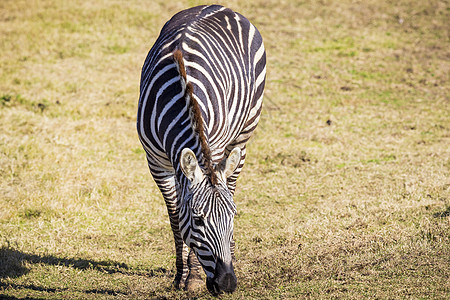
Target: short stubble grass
x: 345, y: 191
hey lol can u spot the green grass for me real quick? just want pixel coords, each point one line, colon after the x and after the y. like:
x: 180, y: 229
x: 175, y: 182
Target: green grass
x: 345, y: 192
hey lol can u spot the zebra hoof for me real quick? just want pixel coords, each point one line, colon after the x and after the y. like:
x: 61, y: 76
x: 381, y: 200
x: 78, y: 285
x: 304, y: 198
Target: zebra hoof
x: 178, y: 283
x: 194, y: 285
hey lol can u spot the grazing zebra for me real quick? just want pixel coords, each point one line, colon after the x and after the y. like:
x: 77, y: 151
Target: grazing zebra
x: 200, y: 100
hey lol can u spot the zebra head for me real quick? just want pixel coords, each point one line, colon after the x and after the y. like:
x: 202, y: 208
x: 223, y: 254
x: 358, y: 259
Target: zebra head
x: 206, y: 218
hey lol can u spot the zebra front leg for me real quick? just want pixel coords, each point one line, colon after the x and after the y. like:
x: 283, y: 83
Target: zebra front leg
x: 181, y: 249
x: 167, y: 186
x: 182, y: 252
x: 232, y: 247
x: 194, y: 280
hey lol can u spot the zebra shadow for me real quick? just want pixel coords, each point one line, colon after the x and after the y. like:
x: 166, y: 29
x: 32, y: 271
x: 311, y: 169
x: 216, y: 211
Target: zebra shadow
x: 13, y: 264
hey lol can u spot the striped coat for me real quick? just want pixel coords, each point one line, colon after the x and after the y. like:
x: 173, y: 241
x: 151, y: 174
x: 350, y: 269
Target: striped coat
x: 200, y: 100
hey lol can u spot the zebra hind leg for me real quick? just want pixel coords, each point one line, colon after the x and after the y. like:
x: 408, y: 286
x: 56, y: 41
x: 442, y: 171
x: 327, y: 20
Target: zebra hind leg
x: 194, y: 281
x: 231, y: 182
x: 232, y: 249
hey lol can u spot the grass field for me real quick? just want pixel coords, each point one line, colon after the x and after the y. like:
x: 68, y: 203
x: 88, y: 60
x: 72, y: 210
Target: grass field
x: 345, y: 193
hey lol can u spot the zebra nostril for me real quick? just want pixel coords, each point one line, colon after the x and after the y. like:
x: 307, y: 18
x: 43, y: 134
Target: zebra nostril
x: 227, y: 282
x: 224, y: 277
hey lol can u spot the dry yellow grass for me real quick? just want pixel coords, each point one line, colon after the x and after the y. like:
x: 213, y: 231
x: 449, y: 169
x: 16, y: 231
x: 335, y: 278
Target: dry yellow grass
x: 346, y: 188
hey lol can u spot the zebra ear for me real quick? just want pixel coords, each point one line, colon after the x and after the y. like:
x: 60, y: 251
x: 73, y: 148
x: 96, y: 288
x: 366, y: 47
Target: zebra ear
x: 233, y: 160
x: 189, y: 166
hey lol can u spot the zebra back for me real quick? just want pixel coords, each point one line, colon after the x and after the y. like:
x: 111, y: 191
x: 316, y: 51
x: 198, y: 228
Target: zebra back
x: 210, y: 56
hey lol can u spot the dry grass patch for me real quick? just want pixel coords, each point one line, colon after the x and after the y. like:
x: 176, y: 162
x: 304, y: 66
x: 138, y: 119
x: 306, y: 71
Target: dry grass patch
x: 345, y: 193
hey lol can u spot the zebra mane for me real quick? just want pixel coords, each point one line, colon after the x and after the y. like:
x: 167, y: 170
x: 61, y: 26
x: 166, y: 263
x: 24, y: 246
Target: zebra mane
x: 195, y: 115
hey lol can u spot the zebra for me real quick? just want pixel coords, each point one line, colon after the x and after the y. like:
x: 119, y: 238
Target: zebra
x: 201, y: 93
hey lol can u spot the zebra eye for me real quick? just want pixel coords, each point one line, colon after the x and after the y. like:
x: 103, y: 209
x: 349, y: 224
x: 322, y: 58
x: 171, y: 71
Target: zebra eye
x: 198, y: 221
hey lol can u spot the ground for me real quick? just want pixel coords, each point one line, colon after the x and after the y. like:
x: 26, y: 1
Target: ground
x: 345, y: 192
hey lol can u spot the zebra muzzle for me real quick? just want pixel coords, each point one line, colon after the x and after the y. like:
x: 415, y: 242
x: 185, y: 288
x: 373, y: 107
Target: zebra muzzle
x: 224, y: 279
